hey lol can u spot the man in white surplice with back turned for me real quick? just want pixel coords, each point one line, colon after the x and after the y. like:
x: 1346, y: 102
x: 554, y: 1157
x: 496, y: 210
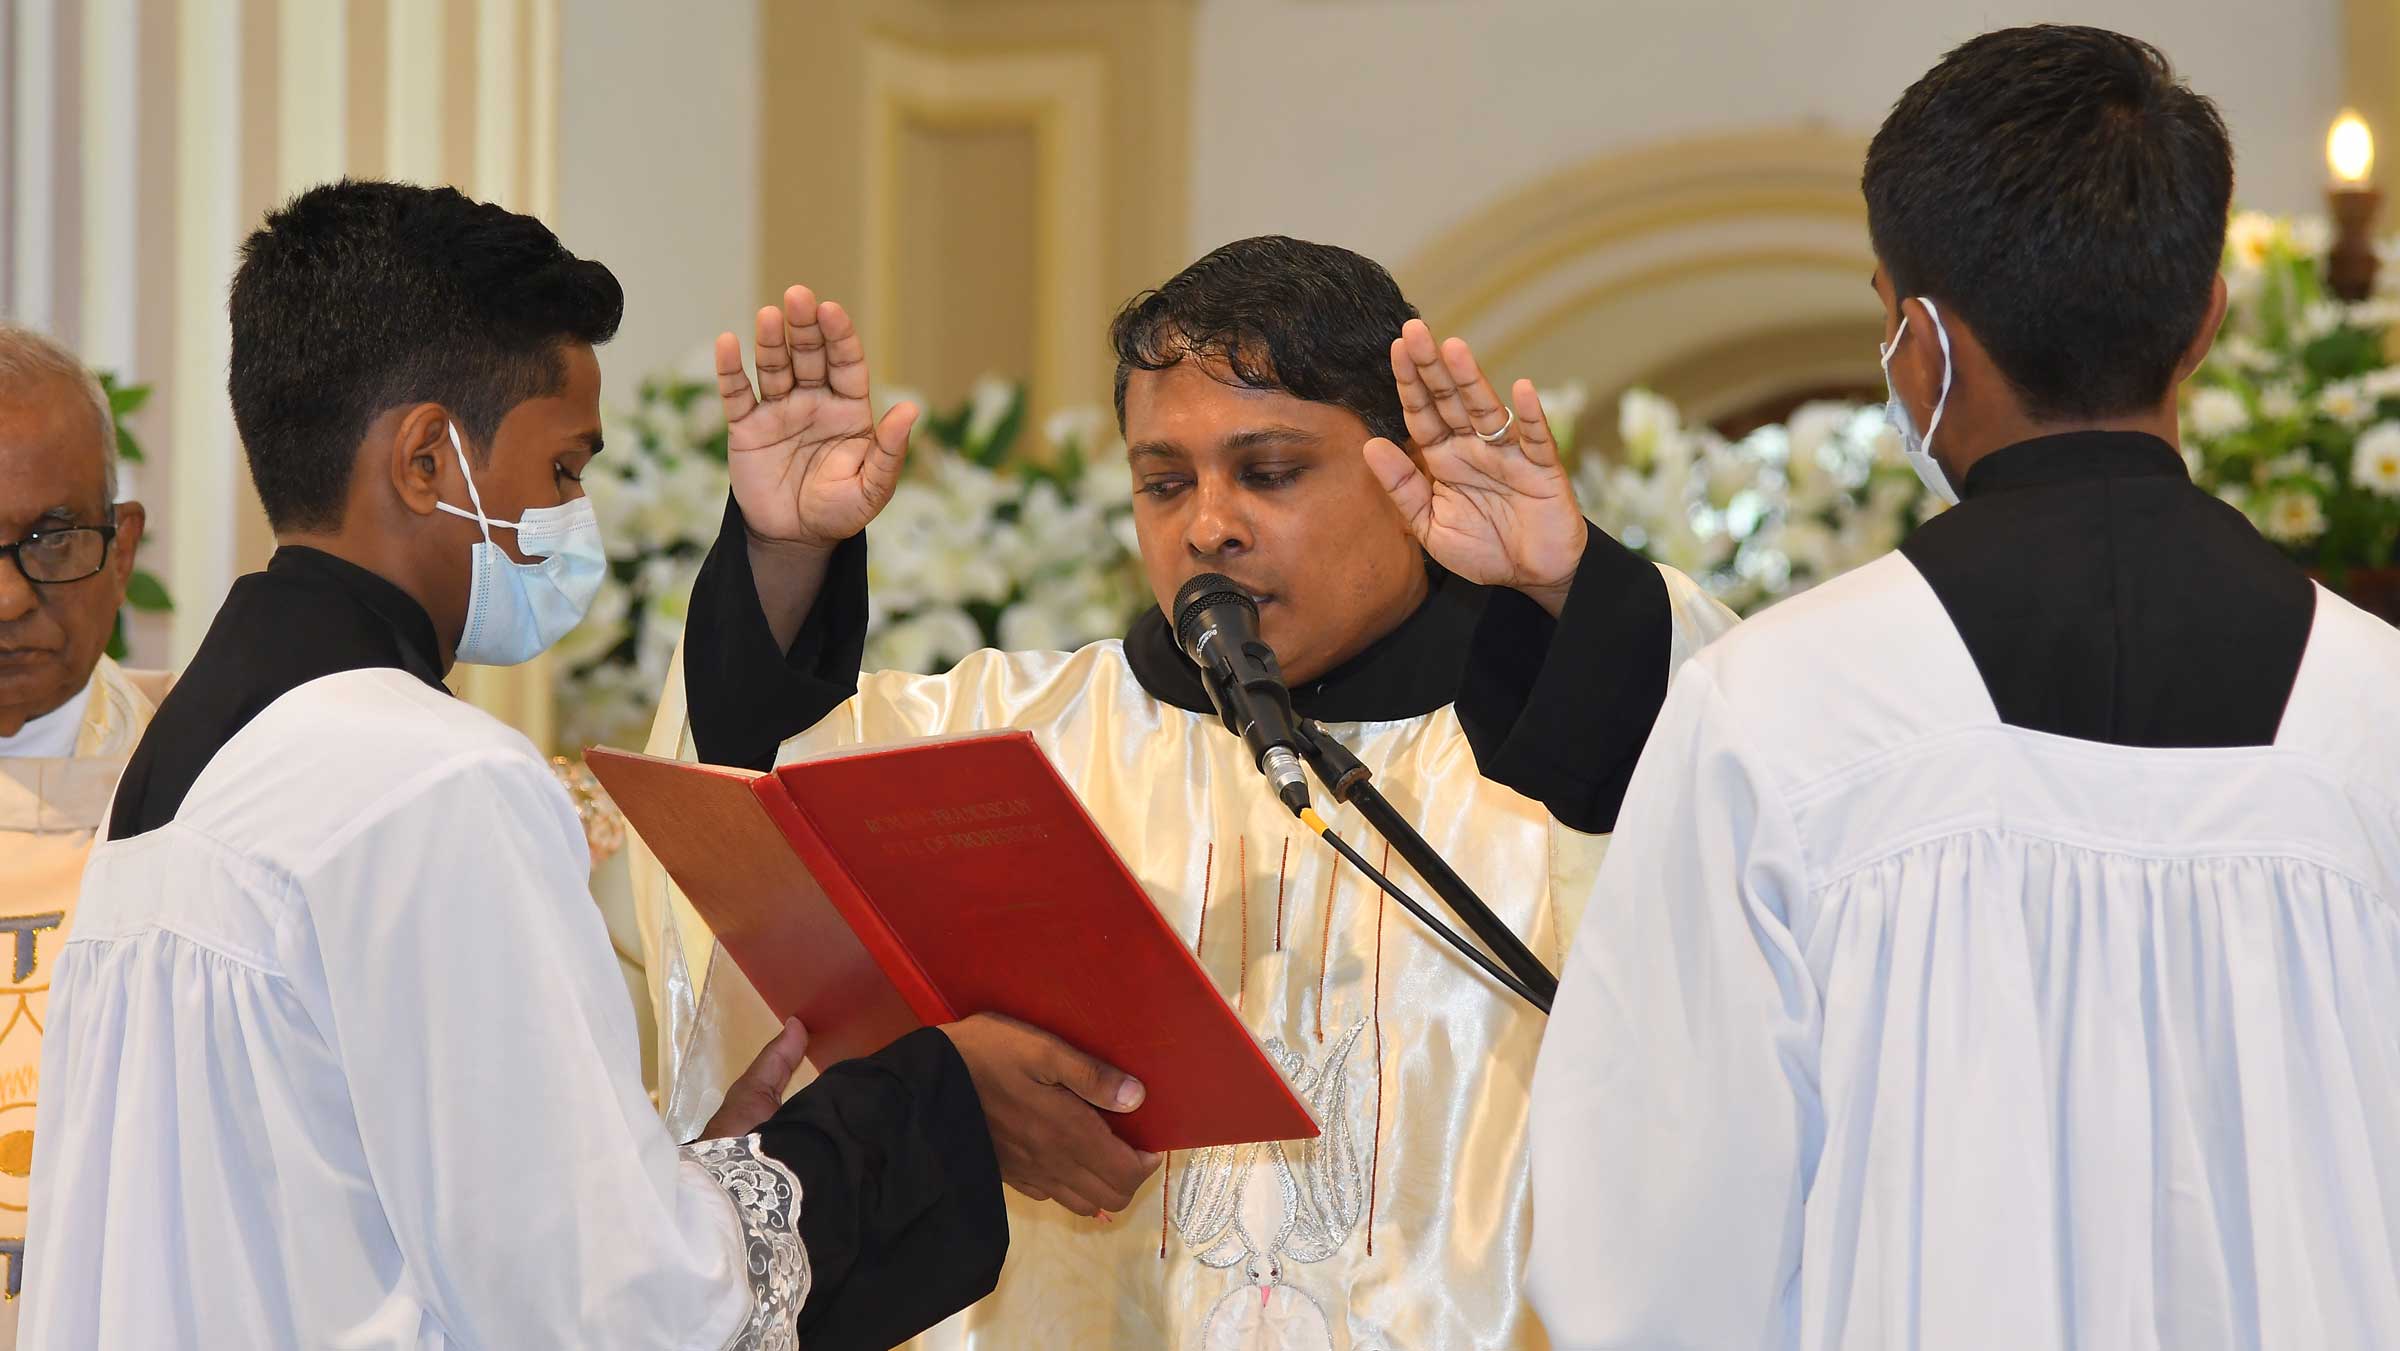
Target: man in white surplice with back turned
x: 1266, y: 393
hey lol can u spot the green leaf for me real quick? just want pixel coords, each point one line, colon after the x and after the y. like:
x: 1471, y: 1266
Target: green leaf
x: 1004, y: 436
x: 117, y: 649
x: 123, y: 399
x: 948, y: 429
x: 145, y: 592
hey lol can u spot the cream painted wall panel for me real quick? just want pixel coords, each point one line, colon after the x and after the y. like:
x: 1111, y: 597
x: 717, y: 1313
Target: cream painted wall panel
x: 1435, y: 107
x: 658, y: 168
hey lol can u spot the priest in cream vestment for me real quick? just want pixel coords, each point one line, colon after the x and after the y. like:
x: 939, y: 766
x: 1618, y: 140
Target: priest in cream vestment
x: 1413, y: 597
x: 69, y: 716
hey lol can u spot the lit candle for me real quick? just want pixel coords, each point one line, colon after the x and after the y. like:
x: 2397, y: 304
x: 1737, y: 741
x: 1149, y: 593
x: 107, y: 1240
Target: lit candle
x: 2350, y: 153
x: 2350, y: 150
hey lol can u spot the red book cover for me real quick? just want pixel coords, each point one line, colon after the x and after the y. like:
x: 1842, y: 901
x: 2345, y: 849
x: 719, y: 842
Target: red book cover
x: 874, y: 891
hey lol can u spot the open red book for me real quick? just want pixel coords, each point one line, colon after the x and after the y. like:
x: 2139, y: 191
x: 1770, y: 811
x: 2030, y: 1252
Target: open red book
x: 876, y: 891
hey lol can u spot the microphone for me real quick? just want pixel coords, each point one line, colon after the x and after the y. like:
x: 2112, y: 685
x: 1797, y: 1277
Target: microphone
x: 1216, y: 625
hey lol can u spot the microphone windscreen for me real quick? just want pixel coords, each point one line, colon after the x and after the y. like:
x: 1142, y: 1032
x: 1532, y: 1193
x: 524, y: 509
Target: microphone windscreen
x: 1200, y: 595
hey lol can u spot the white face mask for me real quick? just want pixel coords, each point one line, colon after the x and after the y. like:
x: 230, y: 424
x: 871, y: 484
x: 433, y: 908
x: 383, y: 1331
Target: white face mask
x: 1919, y: 449
x: 517, y: 610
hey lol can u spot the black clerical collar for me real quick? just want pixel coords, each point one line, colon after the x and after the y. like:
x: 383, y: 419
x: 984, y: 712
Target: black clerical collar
x: 2073, y: 456
x: 407, y: 640
x: 1407, y: 673
x: 2104, y: 596
x: 309, y: 615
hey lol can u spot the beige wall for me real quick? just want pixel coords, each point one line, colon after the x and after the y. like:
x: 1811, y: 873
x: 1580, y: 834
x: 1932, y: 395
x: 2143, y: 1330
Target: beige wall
x: 1383, y: 123
x: 1657, y: 193
x: 870, y: 105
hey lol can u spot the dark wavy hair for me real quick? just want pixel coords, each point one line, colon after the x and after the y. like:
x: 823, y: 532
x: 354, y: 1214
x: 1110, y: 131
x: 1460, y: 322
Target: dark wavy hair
x: 357, y: 297
x: 2062, y: 190
x: 1312, y: 320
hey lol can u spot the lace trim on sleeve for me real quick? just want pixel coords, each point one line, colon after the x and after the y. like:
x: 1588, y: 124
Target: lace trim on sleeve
x: 766, y: 1197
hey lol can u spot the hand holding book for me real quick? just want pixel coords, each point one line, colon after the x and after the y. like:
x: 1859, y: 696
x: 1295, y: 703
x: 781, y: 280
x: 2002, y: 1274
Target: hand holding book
x: 1051, y: 1145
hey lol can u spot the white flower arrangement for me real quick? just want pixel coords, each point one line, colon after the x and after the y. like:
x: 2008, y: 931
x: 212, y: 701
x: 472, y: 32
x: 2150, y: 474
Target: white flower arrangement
x: 2295, y: 417
x: 1754, y: 520
x: 659, y: 494
x: 978, y: 546
x: 984, y: 547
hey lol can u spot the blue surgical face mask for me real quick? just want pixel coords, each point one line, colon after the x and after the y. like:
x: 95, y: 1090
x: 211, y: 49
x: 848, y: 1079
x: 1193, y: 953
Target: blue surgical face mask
x: 1919, y: 449
x: 515, y: 611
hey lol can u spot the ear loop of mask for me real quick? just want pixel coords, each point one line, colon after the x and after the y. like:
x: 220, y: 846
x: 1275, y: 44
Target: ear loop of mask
x: 1942, y: 335
x: 482, y: 521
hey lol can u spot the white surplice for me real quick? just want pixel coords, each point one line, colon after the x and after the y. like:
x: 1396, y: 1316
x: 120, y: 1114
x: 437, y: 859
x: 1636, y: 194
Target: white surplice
x: 1892, y: 1025
x: 339, y: 1057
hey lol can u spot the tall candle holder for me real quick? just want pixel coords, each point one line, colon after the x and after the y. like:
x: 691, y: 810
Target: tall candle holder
x: 2350, y: 153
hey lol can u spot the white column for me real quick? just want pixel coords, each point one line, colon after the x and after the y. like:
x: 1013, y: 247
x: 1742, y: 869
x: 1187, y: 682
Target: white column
x: 202, y: 451
x: 112, y: 100
x: 34, y: 123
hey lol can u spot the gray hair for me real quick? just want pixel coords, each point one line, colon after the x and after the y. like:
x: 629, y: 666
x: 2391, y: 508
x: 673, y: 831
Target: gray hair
x: 28, y: 358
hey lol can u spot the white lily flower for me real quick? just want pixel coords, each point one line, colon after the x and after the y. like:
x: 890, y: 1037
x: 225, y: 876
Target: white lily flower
x: 2293, y: 516
x: 2346, y: 402
x: 2216, y: 413
x: 988, y: 403
x: 1644, y: 422
x: 2249, y: 237
x: 1079, y: 429
x: 2319, y: 318
x: 2375, y: 466
x: 2311, y: 236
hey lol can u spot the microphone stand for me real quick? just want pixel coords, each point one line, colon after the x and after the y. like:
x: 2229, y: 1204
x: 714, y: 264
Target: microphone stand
x: 1351, y: 781
x: 1344, y: 776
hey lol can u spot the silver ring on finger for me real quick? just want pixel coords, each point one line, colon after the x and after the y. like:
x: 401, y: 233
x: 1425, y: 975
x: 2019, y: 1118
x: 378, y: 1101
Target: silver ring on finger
x: 1493, y: 438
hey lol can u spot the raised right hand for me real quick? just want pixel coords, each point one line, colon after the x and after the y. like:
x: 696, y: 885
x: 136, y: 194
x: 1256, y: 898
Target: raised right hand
x: 810, y: 464
x: 1039, y: 1094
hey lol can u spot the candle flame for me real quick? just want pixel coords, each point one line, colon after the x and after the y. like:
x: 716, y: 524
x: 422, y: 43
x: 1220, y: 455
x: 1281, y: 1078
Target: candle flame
x: 2350, y: 149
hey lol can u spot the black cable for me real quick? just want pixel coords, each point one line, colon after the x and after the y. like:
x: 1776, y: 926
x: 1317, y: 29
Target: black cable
x: 1349, y: 780
x: 1454, y: 891
x: 1490, y: 967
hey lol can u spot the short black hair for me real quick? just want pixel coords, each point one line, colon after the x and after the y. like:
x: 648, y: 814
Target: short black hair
x: 360, y: 296
x: 2066, y: 194
x: 1312, y: 320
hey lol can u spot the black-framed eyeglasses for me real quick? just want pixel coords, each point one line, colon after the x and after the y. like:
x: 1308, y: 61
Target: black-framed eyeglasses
x: 63, y: 554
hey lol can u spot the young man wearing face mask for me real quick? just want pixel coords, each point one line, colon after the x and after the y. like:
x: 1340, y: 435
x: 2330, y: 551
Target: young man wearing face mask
x: 1265, y: 393
x: 337, y: 1052
x: 2003, y: 950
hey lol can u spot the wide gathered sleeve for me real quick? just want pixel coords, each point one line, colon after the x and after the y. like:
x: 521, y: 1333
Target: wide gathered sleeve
x: 1676, y: 1120
x: 468, y: 988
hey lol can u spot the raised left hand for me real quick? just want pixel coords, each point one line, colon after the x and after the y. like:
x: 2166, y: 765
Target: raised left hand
x: 1498, y: 514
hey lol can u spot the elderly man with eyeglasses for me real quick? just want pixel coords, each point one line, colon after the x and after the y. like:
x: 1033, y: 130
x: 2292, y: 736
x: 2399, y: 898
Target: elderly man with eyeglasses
x: 69, y: 716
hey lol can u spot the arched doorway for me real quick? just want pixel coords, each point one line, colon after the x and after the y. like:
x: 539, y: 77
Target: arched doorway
x: 1730, y: 274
